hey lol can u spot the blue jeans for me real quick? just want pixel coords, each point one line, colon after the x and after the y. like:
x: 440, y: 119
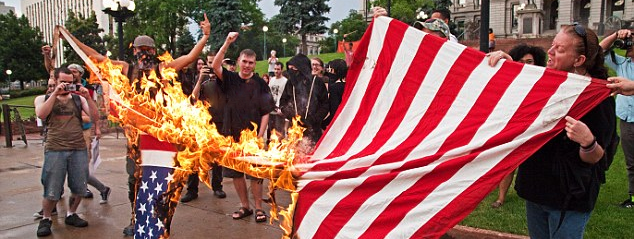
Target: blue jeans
x: 56, y: 165
x: 543, y: 222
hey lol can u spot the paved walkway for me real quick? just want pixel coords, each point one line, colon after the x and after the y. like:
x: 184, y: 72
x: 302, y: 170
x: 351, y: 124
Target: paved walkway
x: 205, y: 217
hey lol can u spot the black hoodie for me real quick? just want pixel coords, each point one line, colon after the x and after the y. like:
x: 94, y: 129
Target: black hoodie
x: 295, y: 98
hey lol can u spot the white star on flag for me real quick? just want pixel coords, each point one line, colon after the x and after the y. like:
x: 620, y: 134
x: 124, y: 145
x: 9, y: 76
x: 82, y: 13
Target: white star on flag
x: 140, y: 230
x: 142, y: 208
x: 144, y: 186
x: 150, y: 198
x: 158, y: 188
x: 153, y: 176
x: 169, y: 178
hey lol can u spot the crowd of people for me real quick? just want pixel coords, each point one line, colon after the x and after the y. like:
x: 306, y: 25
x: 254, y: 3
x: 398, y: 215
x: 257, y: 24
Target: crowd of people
x: 307, y: 87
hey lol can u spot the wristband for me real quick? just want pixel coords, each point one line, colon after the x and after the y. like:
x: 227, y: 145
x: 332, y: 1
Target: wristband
x: 594, y: 141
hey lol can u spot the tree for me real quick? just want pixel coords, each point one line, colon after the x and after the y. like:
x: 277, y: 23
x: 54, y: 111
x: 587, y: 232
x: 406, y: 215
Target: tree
x: 303, y: 17
x: 185, y: 43
x: 354, y: 26
x: 162, y: 20
x: 20, y: 49
x: 87, y: 31
x: 225, y: 18
x: 407, y: 10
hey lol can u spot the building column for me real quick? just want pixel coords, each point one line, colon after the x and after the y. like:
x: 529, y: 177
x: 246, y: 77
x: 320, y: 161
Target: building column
x: 595, y: 13
x: 565, y: 13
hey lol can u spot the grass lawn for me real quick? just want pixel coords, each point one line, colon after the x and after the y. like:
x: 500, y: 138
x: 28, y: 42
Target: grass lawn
x: 261, y: 67
x: 608, y: 220
x: 25, y: 113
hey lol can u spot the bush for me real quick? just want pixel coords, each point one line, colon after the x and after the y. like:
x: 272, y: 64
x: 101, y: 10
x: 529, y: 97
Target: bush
x: 28, y: 92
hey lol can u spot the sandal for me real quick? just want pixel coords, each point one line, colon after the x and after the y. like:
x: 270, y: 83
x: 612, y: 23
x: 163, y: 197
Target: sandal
x: 496, y: 204
x: 260, y: 215
x: 242, y: 213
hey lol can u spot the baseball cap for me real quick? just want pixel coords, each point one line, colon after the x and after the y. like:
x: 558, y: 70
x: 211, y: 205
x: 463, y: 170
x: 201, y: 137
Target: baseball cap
x: 76, y: 67
x: 435, y: 25
x: 228, y: 61
x: 143, y: 40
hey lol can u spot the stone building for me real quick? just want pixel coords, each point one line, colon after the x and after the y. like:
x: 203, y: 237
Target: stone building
x: 6, y: 9
x: 535, y: 18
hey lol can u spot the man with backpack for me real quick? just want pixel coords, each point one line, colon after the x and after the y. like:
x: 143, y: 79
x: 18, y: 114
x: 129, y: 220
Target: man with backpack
x: 65, y: 149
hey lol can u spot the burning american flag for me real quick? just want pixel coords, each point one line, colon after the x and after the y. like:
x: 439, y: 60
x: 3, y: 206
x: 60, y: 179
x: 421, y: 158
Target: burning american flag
x: 425, y: 131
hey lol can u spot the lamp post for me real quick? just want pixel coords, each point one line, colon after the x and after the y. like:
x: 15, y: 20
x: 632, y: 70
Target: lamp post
x: 335, y: 31
x: 284, y: 46
x: 9, y: 72
x: 264, y: 29
x: 120, y: 10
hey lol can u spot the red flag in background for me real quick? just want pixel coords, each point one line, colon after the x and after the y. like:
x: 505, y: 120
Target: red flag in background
x: 425, y: 131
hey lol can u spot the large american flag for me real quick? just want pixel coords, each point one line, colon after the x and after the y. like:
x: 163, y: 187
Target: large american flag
x: 154, y: 205
x: 425, y: 131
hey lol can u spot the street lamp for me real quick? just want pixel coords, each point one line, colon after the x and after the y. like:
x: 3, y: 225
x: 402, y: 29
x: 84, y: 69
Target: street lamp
x: 335, y: 31
x: 284, y: 44
x: 9, y: 72
x: 264, y: 29
x: 120, y: 10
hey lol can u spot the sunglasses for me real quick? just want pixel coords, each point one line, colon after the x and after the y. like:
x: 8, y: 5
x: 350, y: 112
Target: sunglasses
x: 581, y: 31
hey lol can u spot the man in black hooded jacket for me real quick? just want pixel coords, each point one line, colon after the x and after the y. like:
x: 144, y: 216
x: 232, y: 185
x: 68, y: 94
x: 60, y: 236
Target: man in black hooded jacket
x: 305, y: 96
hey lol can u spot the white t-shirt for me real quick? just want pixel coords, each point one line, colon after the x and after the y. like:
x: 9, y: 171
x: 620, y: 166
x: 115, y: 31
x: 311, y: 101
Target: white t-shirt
x: 277, y: 87
x: 272, y: 64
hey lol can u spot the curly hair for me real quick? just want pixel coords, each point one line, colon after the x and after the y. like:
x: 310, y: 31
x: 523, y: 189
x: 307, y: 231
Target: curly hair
x: 519, y: 51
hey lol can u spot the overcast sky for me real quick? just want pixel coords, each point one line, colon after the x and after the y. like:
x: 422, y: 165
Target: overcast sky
x: 339, y: 9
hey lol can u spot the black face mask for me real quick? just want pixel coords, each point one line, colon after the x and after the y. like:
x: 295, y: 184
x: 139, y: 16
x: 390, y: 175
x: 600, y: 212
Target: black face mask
x: 146, y: 60
x: 331, y: 76
x: 295, y: 74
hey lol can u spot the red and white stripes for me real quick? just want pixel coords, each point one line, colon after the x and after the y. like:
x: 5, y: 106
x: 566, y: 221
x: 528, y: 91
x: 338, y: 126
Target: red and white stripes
x: 426, y: 130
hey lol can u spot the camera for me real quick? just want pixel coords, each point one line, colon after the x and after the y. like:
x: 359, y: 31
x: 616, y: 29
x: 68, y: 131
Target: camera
x: 625, y: 44
x: 71, y: 87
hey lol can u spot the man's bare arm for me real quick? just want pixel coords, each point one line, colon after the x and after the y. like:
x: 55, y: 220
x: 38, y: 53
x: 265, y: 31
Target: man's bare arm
x: 217, y: 63
x: 185, y: 60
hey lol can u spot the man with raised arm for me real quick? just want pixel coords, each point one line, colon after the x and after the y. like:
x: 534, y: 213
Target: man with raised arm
x: 248, y: 100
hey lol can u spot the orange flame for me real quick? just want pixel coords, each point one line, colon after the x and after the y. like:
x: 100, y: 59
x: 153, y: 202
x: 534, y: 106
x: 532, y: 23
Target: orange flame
x: 156, y: 105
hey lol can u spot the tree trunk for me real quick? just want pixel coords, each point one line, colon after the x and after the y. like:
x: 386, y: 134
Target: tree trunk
x: 304, y: 48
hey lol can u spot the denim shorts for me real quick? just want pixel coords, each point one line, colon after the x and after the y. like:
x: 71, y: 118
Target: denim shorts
x: 543, y: 222
x: 230, y: 173
x: 56, y: 165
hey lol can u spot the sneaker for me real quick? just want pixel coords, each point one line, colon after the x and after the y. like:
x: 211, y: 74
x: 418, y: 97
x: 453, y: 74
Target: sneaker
x: 40, y: 214
x: 627, y: 203
x: 129, y: 230
x: 44, y: 229
x: 220, y: 194
x: 75, y: 221
x: 88, y: 194
x: 188, y: 197
x: 104, y: 196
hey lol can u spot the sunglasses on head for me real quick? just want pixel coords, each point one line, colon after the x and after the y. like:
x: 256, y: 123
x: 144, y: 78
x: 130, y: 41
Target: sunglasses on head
x: 581, y: 31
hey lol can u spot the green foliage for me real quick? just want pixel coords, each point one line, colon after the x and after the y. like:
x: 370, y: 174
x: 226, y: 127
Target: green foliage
x: 28, y: 92
x: 20, y: 50
x: 162, y: 20
x: 354, y: 26
x: 87, y: 30
x: 406, y: 10
x: 224, y: 16
x: 303, y: 17
x: 185, y: 43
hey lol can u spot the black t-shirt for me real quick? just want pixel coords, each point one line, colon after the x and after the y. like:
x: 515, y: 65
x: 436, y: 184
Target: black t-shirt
x: 247, y: 101
x: 539, y: 178
x: 212, y: 94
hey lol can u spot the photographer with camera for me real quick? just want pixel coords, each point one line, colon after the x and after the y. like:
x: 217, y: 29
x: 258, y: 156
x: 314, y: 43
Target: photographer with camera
x: 624, y: 68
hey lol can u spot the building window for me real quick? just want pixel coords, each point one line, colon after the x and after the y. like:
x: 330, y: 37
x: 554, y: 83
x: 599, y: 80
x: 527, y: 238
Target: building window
x: 514, y: 20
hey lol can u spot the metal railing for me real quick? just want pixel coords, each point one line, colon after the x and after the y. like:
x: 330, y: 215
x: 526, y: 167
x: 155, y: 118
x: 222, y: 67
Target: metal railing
x: 7, y: 110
